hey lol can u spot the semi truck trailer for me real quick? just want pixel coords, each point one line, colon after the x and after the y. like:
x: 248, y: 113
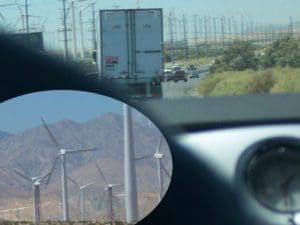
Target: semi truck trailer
x: 130, y: 51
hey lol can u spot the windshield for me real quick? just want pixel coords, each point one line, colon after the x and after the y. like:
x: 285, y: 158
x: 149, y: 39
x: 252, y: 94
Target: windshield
x: 232, y: 48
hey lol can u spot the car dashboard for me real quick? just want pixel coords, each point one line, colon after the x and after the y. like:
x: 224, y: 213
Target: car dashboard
x: 255, y: 152
x: 261, y: 162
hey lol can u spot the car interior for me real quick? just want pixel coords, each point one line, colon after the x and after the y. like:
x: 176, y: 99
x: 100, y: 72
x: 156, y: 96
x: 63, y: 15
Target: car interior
x: 236, y: 159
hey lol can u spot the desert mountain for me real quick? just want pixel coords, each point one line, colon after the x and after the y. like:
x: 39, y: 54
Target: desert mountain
x: 33, y: 152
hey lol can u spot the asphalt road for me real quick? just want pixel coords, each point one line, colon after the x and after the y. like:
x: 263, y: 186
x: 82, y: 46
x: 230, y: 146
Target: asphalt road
x: 184, y: 89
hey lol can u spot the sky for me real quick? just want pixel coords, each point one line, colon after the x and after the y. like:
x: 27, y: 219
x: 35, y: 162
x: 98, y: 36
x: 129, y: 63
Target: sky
x: 264, y: 11
x: 24, y: 112
x: 49, y: 11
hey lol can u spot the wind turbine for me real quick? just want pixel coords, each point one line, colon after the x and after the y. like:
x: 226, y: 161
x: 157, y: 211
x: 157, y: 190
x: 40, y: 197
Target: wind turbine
x: 160, y: 167
x: 109, y: 189
x: 81, y: 197
x: 62, y: 154
x: 131, y: 195
x: 36, y: 182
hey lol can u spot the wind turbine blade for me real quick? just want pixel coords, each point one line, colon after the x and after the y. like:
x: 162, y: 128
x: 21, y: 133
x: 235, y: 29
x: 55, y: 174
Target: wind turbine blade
x: 143, y: 157
x: 18, y: 20
x: 81, y: 150
x: 86, y: 186
x: 23, y: 169
x: 89, y: 5
x: 45, y: 21
x: 52, y: 170
x: 19, y: 7
x: 2, y: 17
x: 50, y: 134
x: 8, y: 4
x: 73, y: 181
x: 21, y: 174
x: 102, y: 175
x: 165, y: 170
x: 159, y: 144
x: 68, y: 10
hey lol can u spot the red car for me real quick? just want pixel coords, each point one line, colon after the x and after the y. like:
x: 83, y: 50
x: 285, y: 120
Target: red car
x: 179, y: 75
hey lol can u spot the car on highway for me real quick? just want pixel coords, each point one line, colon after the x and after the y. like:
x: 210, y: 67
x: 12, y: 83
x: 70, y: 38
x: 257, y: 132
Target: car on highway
x: 176, y: 67
x: 168, y: 73
x: 194, y: 74
x: 192, y: 71
x: 177, y: 75
x: 180, y: 75
x: 191, y: 67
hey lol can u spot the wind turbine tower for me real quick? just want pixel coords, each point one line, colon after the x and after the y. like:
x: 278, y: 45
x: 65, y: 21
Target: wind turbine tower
x: 109, y: 189
x: 82, y: 199
x: 131, y: 197
x: 36, y: 182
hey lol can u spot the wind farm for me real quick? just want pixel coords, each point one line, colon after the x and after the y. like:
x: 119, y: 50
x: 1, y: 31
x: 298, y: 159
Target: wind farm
x: 75, y: 171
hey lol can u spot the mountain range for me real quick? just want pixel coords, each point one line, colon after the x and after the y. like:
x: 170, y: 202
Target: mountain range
x: 33, y: 153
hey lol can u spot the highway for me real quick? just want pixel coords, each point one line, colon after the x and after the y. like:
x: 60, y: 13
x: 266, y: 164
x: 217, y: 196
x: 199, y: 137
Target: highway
x: 184, y: 89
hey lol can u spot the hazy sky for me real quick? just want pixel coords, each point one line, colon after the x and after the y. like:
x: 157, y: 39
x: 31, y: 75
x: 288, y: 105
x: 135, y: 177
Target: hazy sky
x: 25, y: 111
x: 263, y: 11
x: 49, y: 11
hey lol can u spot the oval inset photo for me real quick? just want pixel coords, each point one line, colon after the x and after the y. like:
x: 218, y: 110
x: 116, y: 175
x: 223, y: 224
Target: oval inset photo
x: 79, y: 156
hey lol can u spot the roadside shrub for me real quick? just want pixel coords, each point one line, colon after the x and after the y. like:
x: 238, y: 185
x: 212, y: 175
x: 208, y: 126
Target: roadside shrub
x: 238, y: 57
x: 262, y: 83
x: 283, y: 53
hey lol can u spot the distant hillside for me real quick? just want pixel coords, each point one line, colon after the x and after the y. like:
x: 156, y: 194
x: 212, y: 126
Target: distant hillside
x: 4, y: 134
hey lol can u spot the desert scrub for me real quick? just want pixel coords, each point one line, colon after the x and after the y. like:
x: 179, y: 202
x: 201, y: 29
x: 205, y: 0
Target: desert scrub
x: 270, y: 81
x: 261, y: 83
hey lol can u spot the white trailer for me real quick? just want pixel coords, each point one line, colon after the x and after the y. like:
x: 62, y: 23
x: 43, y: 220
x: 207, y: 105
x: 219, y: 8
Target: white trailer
x: 131, y: 49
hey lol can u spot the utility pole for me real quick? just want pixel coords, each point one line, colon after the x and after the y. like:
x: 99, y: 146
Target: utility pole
x: 242, y: 27
x: 196, y: 35
x: 171, y: 36
x: 206, y: 38
x: 236, y: 29
x: 184, y: 23
x: 223, y: 32
x: 291, y: 26
x: 229, y: 30
x: 257, y: 34
x: 81, y: 34
x: 26, y: 16
x: 74, y: 31
x: 175, y: 28
x: 266, y: 34
x: 252, y: 32
x: 94, y: 27
x: 247, y: 31
x: 215, y: 35
x: 200, y: 32
x: 65, y: 30
x: 81, y: 31
x: 131, y: 197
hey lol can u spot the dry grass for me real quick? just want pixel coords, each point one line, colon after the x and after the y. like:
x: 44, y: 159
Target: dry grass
x: 272, y: 81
